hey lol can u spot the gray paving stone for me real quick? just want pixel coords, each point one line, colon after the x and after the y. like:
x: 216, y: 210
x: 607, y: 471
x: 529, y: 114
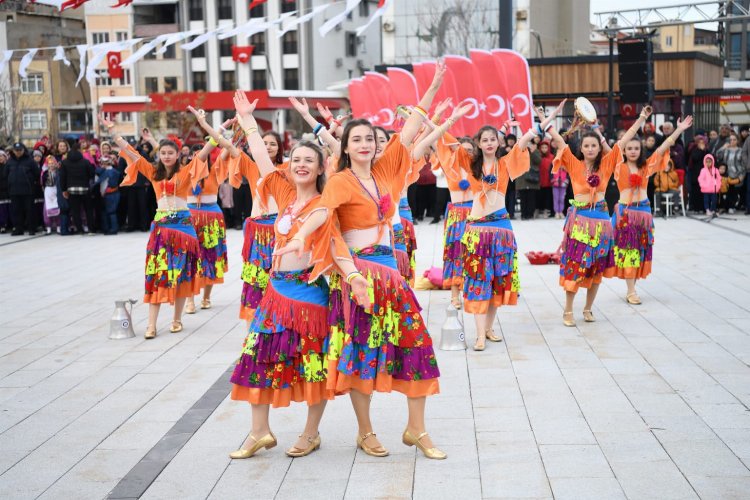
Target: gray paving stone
x: 581, y: 488
x: 563, y: 460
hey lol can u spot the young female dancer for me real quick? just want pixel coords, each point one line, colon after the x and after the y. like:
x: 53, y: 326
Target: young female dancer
x: 172, y: 252
x: 284, y: 358
x: 587, y: 243
x: 632, y: 220
x: 208, y: 220
x: 384, y: 347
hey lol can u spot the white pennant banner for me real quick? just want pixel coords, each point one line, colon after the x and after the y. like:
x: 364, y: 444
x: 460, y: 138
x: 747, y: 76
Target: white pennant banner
x: 82, y: 51
x: 200, y: 39
x: 7, y: 56
x: 378, y: 13
x: 99, y: 52
x: 144, y: 50
x: 303, y: 19
x: 255, y: 25
x: 338, y: 18
x: 60, y: 55
x: 25, y: 61
x: 174, y: 38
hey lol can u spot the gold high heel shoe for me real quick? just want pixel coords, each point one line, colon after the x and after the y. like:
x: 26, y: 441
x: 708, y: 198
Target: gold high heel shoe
x: 433, y: 453
x: 374, y: 452
x: 633, y: 298
x: 268, y: 441
x: 588, y: 316
x: 313, y: 444
x: 190, y: 308
x: 490, y: 335
x: 568, y: 319
x: 176, y: 326
x: 150, y: 333
x: 206, y: 304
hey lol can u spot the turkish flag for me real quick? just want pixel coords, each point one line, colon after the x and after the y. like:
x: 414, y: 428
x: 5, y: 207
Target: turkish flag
x: 360, y: 99
x: 113, y: 64
x: 518, y: 85
x: 242, y: 54
x: 379, y: 88
x: 468, y: 91
x: 404, y: 86
x: 495, y: 96
x: 255, y: 3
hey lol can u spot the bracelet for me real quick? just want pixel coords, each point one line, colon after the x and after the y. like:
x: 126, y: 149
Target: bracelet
x: 549, y: 126
x: 299, y: 238
x: 318, y: 127
x: 250, y: 130
x: 212, y: 142
x: 436, y: 119
x: 501, y: 132
x: 351, y: 276
x: 421, y: 111
x: 539, y: 130
x: 602, y: 140
x: 669, y: 141
x: 449, y: 122
x: 337, y: 122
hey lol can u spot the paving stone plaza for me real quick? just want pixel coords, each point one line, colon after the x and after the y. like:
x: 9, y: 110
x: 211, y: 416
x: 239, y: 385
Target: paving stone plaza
x: 649, y: 402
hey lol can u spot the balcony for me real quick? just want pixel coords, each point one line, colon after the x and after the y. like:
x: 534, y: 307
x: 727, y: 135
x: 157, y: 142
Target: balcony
x: 150, y: 30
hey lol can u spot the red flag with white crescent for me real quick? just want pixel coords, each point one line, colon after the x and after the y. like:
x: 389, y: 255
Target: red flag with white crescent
x: 242, y: 54
x: 518, y: 85
x: 359, y: 99
x: 380, y: 89
x: 404, y: 86
x: 113, y: 64
x: 255, y: 3
x: 492, y: 83
x: 467, y: 91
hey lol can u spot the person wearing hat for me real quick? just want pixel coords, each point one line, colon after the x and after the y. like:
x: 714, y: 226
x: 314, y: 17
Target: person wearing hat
x: 21, y: 174
x: 5, y: 222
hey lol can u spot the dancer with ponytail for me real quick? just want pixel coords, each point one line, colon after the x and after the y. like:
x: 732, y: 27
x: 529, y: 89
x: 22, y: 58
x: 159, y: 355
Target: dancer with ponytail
x: 632, y: 220
x: 173, y: 251
x: 384, y: 347
x: 588, y: 236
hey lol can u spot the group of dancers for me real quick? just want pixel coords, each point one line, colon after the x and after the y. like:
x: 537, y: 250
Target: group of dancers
x: 329, y: 250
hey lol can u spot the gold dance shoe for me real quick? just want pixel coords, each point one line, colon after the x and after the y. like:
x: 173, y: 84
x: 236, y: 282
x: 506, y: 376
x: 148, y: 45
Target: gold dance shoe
x: 176, y: 326
x: 150, y: 333
x: 206, y: 304
x: 313, y: 443
x: 190, y: 308
x: 588, y: 316
x: 456, y: 303
x: 568, y: 319
x: 490, y: 334
x: 633, y: 298
x: 433, y: 453
x: 268, y: 441
x: 375, y: 452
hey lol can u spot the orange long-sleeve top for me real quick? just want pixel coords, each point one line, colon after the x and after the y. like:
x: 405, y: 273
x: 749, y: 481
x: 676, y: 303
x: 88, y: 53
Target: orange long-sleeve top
x: 216, y: 175
x: 179, y: 185
x: 244, y: 166
x: 578, y: 173
x: 360, y: 209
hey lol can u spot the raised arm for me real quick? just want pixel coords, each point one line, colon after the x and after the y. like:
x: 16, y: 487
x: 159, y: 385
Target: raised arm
x: 682, y: 126
x: 630, y: 133
x: 147, y: 136
x: 121, y: 143
x: 215, y: 138
x: 249, y: 126
x: 536, y: 129
x: 421, y: 148
x: 414, y: 122
x: 318, y: 128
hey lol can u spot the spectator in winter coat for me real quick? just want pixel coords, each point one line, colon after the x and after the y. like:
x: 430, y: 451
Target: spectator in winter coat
x: 22, y: 175
x: 731, y: 154
x: 527, y: 185
x: 666, y: 182
x: 710, y: 182
x: 5, y: 221
x: 746, y: 165
x: 695, y: 164
x: 545, y: 178
x: 76, y: 176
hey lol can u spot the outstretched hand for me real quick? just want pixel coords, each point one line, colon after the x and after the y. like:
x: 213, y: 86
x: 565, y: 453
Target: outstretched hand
x: 293, y: 246
x: 459, y: 112
x: 199, y: 114
x: 685, y: 123
x: 646, y: 111
x: 442, y: 106
x: 108, y: 124
x: 301, y: 106
x: 440, y: 69
x: 242, y: 104
x: 324, y: 112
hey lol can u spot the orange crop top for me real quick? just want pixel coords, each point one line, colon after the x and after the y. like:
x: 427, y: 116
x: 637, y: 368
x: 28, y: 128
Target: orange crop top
x: 359, y: 209
x: 655, y: 163
x: 244, y: 166
x: 578, y: 174
x: 181, y: 183
x: 216, y: 175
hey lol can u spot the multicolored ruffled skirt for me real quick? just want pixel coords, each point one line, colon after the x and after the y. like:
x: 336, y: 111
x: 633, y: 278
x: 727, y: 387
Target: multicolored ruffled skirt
x: 208, y: 220
x: 587, y: 253
x: 405, y: 242
x: 634, y: 239
x: 284, y: 357
x: 386, y: 348
x: 453, y: 249
x: 172, y: 256
x: 257, y: 252
x: 490, y: 263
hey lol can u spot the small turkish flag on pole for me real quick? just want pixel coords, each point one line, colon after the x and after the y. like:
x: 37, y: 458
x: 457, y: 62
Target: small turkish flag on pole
x: 255, y: 3
x: 113, y: 64
x: 242, y: 54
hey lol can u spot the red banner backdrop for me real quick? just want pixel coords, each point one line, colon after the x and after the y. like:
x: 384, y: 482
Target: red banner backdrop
x: 497, y: 84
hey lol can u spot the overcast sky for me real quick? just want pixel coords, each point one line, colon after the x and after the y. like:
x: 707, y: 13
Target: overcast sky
x: 612, y: 5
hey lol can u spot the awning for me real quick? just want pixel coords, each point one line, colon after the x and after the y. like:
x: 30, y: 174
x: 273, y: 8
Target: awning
x: 218, y: 101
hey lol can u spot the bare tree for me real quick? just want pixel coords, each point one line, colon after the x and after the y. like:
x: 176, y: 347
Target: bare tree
x: 458, y: 26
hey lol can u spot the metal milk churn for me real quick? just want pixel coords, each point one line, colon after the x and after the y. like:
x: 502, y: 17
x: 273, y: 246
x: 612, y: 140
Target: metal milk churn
x: 121, y: 324
x: 452, y: 336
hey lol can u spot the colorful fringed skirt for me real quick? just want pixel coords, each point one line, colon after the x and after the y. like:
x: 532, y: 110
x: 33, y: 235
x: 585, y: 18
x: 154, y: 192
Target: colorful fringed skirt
x: 453, y: 249
x: 172, y: 256
x: 410, y: 236
x: 490, y: 263
x: 386, y: 348
x: 284, y: 357
x: 634, y: 239
x: 587, y: 254
x: 257, y: 251
x: 208, y: 220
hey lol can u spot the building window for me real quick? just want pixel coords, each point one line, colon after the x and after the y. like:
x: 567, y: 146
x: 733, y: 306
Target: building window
x: 72, y: 121
x: 170, y: 84
x: 351, y: 44
x: 125, y: 80
x: 668, y: 41
x: 290, y: 43
x: 199, y: 81
x: 169, y: 53
x: 199, y: 51
x: 34, y: 120
x: 32, y: 84
x: 151, y: 54
x: 151, y: 85
x: 225, y: 47
x: 291, y: 79
x: 225, y: 9
x: 102, y: 78
x: 126, y: 117
x: 121, y: 36
x: 258, y: 41
x: 100, y: 37
x: 288, y: 5
x: 195, y: 10
x: 259, y: 79
x: 258, y: 10
x: 364, y: 9
x: 228, y: 80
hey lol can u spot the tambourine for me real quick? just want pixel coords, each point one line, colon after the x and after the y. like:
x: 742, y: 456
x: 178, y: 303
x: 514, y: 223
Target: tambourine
x: 585, y: 114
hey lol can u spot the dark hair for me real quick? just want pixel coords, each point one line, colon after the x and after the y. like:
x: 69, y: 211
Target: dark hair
x: 641, y: 161
x: 387, y: 135
x: 344, y: 162
x: 280, y: 153
x: 478, y: 161
x: 161, y: 170
x: 320, y: 181
x: 598, y: 159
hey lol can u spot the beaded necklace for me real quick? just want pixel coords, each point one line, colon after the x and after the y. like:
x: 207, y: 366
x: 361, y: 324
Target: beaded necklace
x: 377, y: 202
